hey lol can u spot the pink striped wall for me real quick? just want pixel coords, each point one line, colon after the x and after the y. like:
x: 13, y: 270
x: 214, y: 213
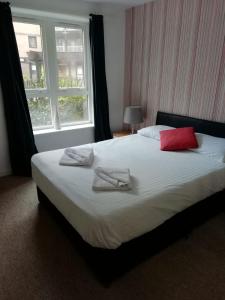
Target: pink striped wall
x: 175, y: 58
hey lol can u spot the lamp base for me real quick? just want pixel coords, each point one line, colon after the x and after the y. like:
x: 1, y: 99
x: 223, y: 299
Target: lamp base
x: 133, y: 129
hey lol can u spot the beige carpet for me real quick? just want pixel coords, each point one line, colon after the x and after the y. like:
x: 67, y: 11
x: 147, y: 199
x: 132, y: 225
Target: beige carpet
x: 37, y: 261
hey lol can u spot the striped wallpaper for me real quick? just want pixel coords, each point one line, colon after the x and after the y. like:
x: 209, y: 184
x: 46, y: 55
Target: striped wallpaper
x: 175, y: 58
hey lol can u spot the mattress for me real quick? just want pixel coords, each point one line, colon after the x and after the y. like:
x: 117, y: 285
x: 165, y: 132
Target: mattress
x: 163, y: 184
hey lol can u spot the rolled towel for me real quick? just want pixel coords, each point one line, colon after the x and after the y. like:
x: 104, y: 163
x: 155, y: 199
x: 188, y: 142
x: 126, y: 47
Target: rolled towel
x: 77, y: 156
x: 111, y: 179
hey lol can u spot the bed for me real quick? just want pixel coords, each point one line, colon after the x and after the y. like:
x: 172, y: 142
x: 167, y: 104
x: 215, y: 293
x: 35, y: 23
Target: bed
x: 114, y: 230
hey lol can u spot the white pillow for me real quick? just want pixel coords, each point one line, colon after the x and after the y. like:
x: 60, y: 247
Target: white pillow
x: 211, y: 146
x: 153, y: 131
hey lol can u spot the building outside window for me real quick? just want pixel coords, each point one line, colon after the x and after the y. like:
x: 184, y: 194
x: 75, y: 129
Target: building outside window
x: 55, y: 65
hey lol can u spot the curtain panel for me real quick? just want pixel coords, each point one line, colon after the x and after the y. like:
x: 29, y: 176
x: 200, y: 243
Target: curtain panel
x: 18, y: 122
x: 100, y: 93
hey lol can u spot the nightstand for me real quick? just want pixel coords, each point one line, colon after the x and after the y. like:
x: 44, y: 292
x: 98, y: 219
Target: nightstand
x: 121, y: 133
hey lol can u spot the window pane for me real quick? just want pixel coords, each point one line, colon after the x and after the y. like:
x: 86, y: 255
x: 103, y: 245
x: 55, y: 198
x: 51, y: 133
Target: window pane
x: 28, y: 37
x: 70, y: 57
x: 40, y: 112
x: 32, y: 40
x: 73, y: 109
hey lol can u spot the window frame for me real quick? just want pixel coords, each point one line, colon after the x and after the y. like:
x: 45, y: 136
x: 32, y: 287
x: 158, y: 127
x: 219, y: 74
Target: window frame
x: 47, y: 23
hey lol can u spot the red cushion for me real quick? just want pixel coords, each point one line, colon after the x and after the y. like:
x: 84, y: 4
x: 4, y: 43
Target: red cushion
x: 178, y: 139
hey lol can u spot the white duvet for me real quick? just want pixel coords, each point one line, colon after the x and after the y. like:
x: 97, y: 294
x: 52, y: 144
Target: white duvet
x: 164, y: 183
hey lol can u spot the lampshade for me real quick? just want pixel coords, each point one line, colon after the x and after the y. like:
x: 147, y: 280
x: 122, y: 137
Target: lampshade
x: 133, y: 115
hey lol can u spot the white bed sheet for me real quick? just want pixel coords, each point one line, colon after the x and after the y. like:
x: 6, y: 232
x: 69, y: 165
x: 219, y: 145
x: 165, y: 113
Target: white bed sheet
x: 164, y: 183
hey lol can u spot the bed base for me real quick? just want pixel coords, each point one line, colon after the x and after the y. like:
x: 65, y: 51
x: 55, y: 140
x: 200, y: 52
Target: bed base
x: 109, y: 264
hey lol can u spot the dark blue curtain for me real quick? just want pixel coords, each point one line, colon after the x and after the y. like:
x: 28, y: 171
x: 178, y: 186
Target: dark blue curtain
x: 101, y: 107
x: 18, y: 122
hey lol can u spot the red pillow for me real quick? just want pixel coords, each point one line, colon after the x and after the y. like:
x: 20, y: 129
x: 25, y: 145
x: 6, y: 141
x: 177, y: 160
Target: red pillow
x: 178, y: 139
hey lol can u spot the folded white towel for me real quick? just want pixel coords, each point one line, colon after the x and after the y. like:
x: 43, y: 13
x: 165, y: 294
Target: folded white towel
x: 111, y: 179
x: 78, y: 156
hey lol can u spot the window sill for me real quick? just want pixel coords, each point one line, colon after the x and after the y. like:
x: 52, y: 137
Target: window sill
x: 74, y: 127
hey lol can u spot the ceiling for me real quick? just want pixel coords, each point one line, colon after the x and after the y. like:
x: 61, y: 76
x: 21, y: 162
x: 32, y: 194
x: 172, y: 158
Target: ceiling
x: 82, y: 7
x: 123, y: 2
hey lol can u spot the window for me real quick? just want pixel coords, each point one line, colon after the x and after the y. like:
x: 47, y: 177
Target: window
x: 32, y: 41
x: 55, y: 68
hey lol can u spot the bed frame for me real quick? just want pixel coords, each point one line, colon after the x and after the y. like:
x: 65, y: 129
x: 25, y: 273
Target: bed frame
x: 109, y: 264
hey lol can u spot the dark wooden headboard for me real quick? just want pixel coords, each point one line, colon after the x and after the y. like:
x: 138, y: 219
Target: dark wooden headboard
x: 203, y: 126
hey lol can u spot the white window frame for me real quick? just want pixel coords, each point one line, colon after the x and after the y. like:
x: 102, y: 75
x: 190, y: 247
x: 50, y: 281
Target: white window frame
x: 48, y: 22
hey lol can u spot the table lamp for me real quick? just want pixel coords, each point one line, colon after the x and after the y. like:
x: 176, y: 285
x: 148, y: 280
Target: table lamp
x: 133, y: 115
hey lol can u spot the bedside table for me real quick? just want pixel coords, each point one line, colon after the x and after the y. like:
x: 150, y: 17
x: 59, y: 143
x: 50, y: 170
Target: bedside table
x: 121, y: 133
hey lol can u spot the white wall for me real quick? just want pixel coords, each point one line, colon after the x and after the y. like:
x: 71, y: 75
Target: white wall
x: 114, y: 26
x: 4, y: 153
x: 114, y: 21
x: 62, y: 139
